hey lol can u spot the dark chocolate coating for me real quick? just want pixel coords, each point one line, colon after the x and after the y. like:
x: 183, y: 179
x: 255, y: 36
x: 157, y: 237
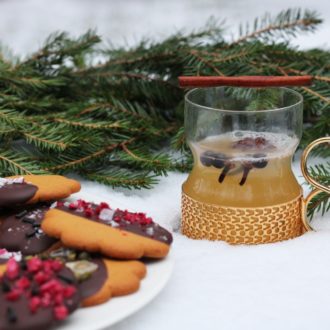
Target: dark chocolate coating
x: 158, y: 233
x: 16, y: 194
x: 94, y: 283
x: 42, y: 319
x: 16, y: 233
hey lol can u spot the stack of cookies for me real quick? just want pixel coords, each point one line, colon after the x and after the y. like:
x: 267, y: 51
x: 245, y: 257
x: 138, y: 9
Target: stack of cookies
x: 58, y: 255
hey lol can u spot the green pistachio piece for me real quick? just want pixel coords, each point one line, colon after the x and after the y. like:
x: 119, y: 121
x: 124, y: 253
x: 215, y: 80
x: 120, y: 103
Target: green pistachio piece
x: 82, y: 269
x: 63, y: 254
x: 84, y: 256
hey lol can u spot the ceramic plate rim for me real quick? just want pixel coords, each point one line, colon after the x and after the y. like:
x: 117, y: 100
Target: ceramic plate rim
x: 151, y: 286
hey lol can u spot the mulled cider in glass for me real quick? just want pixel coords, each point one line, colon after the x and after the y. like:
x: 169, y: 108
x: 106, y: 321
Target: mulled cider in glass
x: 243, y: 141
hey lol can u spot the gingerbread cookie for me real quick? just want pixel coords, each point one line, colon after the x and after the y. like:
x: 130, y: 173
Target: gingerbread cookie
x: 36, y: 293
x: 99, y: 278
x: 113, y: 233
x: 36, y: 188
x: 21, y: 231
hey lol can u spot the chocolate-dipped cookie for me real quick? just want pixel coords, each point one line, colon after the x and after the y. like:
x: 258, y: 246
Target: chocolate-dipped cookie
x: 116, y: 233
x: 35, y: 294
x: 49, y: 187
x: 100, y: 278
x: 22, y: 231
x: 15, y: 191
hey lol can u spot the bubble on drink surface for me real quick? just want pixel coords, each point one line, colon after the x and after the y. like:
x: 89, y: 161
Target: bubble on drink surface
x: 238, y: 134
x: 280, y: 144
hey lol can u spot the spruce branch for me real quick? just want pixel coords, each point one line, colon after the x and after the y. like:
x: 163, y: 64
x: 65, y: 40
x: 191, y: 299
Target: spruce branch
x: 14, y: 163
x: 321, y: 203
x: 286, y: 23
x: 115, y: 115
x: 121, y: 177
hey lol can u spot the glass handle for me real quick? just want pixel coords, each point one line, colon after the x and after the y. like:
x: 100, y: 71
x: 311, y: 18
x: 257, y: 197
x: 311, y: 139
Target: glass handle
x: 318, y: 187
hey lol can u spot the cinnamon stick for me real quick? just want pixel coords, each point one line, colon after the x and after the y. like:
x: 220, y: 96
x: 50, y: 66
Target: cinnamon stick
x: 244, y: 81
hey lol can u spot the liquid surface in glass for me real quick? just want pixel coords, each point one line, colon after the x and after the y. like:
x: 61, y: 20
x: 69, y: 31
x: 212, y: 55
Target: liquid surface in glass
x: 243, y: 169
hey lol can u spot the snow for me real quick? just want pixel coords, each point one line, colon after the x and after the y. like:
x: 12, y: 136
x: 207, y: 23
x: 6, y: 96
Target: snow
x: 214, y: 285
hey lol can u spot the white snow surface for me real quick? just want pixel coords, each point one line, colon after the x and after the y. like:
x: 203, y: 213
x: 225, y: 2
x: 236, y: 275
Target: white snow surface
x: 214, y: 285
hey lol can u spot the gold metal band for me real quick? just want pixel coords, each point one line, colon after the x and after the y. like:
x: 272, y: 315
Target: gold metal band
x: 241, y: 225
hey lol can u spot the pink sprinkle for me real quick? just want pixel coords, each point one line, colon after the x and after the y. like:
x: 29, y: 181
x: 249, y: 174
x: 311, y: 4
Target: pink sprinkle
x: 12, y: 269
x: 57, y: 265
x: 69, y: 291
x: 34, y: 264
x: 61, y: 312
x: 34, y: 304
x: 23, y: 283
x: 13, y: 295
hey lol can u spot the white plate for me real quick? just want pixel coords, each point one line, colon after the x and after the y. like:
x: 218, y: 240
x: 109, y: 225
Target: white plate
x: 105, y: 315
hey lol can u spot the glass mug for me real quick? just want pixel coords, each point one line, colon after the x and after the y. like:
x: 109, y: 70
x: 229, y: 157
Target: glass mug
x: 242, y: 189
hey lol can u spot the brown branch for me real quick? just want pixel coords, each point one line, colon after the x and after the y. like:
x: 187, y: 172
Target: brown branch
x: 15, y: 164
x: 206, y: 62
x: 104, y: 105
x: 87, y: 125
x: 128, y: 61
x: 91, y: 156
x: 321, y: 78
x: 111, y: 178
x: 129, y: 152
x: 314, y: 205
x: 271, y: 27
x: 231, y: 57
x: 140, y: 76
x: 33, y: 137
x: 310, y: 91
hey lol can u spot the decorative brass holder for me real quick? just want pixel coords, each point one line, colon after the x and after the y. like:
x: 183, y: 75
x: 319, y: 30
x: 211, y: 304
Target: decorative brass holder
x: 318, y: 187
x: 251, y: 225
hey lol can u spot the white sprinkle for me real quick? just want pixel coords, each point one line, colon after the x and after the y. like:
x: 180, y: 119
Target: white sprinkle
x: 113, y: 223
x: 106, y: 215
x: 4, y: 181
x: 150, y: 231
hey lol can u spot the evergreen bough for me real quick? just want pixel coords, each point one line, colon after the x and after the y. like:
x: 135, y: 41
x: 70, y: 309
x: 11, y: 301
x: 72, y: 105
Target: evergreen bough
x: 115, y: 115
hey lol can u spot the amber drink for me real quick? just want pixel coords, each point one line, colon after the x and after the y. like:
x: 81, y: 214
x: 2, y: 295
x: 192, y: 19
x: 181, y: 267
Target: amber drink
x: 242, y: 186
x: 243, y: 169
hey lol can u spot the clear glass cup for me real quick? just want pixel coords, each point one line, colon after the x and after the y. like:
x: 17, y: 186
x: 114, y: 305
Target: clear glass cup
x: 243, y: 141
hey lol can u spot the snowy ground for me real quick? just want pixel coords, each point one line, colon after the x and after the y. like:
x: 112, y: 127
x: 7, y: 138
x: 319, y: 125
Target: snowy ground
x: 214, y: 285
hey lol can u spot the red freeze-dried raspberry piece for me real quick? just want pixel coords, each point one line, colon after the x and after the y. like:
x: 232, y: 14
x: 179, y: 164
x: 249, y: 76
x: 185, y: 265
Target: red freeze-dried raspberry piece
x: 58, y: 299
x: 60, y: 312
x: 59, y: 204
x: 23, y: 283
x: 12, y: 269
x: 73, y: 206
x: 69, y: 291
x: 57, y: 265
x: 46, y: 299
x: 34, y: 304
x: 88, y: 212
x: 41, y: 277
x: 13, y: 295
x: 50, y: 286
x: 34, y: 264
x: 104, y: 205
